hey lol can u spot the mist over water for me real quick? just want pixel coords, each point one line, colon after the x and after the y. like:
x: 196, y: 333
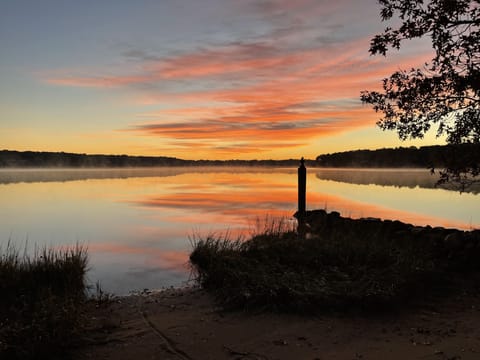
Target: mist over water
x: 137, y: 222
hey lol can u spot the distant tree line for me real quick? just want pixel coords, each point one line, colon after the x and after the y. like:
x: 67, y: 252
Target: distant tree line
x: 436, y: 156
x: 61, y: 159
x: 30, y: 159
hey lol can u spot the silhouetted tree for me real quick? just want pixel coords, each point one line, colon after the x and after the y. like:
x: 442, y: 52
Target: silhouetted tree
x: 446, y: 91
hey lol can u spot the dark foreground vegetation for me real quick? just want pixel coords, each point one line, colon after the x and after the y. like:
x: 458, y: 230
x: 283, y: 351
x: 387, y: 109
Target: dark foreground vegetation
x: 41, y: 300
x: 339, y: 264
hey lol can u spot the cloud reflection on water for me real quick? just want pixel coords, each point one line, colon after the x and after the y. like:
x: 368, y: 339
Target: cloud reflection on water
x: 137, y: 227
x: 233, y: 197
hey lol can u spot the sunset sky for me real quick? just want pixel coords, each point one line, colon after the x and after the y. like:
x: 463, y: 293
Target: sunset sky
x: 195, y: 79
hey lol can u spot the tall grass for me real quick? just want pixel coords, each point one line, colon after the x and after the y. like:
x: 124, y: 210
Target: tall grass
x: 281, y: 270
x: 40, y: 297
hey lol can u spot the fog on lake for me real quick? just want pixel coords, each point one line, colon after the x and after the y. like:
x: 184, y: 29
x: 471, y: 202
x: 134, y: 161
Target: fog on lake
x: 137, y: 223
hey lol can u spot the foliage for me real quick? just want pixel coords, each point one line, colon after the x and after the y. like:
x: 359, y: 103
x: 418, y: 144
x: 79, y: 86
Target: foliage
x: 333, y: 269
x: 29, y: 159
x: 41, y: 301
x: 62, y: 159
x: 434, y: 156
x: 444, y: 92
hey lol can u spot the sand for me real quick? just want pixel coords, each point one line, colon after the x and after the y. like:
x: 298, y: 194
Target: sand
x: 187, y: 324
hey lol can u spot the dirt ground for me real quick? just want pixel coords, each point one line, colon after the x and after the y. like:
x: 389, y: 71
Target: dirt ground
x: 187, y: 324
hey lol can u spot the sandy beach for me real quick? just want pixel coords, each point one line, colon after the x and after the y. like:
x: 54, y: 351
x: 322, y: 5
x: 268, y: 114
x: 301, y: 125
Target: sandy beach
x: 188, y: 324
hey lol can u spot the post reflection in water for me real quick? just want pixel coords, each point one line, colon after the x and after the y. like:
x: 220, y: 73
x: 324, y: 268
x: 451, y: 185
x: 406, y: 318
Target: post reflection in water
x: 137, y: 222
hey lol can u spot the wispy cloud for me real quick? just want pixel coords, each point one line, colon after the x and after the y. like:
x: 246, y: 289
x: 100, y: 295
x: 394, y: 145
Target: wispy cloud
x: 293, y: 80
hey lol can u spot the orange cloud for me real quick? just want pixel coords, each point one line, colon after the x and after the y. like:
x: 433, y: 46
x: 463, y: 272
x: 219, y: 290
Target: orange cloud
x: 254, y: 96
x: 316, y: 99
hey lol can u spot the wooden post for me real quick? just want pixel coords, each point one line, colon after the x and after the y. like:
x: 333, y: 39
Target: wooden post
x: 302, y: 189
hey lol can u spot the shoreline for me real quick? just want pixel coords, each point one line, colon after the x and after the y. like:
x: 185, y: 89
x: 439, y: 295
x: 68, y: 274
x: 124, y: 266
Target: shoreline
x: 187, y: 323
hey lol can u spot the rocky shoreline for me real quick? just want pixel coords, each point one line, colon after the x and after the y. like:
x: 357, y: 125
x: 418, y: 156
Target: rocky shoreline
x: 461, y: 249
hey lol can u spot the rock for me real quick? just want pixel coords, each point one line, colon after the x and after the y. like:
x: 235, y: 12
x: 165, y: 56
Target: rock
x: 371, y: 219
x: 417, y: 230
x: 453, y: 241
x: 402, y: 234
x: 475, y: 236
x: 435, y: 238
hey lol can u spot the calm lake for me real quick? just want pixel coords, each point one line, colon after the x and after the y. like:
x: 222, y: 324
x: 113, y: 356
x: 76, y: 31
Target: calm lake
x: 137, y: 223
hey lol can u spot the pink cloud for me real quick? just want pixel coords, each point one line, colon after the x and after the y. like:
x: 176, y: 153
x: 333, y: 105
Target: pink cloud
x: 100, y: 82
x: 249, y: 96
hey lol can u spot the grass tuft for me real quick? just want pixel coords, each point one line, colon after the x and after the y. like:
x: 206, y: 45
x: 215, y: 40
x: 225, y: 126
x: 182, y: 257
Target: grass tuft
x: 40, y: 301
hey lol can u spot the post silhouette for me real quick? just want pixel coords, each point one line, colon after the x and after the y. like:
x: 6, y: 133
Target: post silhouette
x: 302, y: 189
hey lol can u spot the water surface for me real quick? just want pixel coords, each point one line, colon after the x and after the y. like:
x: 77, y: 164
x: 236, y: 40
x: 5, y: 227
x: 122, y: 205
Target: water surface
x: 137, y: 222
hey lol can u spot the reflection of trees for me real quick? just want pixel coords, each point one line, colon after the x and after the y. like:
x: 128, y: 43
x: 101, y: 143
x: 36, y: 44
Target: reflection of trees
x: 51, y: 175
x: 62, y: 175
x: 385, y: 177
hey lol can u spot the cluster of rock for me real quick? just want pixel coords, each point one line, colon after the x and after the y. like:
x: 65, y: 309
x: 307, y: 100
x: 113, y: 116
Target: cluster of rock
x: 459, y: 248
